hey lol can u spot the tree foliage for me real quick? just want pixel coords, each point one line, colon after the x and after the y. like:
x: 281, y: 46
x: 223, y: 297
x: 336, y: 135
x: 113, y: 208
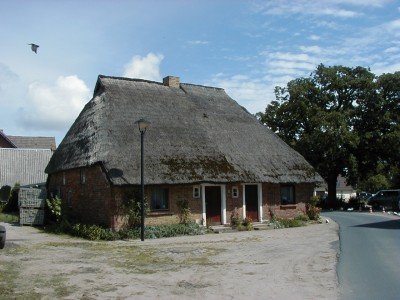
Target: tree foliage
x: 342, y: 120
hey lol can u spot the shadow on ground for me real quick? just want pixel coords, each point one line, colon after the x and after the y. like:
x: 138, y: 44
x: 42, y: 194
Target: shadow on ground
x: 392, y: 224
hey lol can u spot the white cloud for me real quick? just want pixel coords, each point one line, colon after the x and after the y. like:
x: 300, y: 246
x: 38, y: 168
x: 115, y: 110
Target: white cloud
x: 314, y: 37
x: 393, y: 25
x: 198, y: 42
x: 253, y: 94
x: 381, y: 68
x: 54, y: 107
x: 306, y: 7
x: 392, y: 50
x: 311, y: 49
x: 147, y: 67
x: 289, y: 64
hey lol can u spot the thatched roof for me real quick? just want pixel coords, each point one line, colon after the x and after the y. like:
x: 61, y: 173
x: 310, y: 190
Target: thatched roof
x: 197, y: 134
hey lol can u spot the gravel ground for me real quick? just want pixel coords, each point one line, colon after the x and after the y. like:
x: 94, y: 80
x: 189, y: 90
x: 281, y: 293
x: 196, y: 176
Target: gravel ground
x: 295, y: 263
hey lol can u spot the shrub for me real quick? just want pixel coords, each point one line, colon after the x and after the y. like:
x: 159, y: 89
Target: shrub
x: 183, y: 211
x: 313, y: 201
x: 131, y: 206
x: 302, y: 217
x: 287, y: 223
x: 247, y: 224
x: 54, y: 206
x: 235, y: 218
x: 5, y: 192
x: 171, y: 230
x: 272, y: 214
x: 95, y: 232
x: 90, y: 232
x: 2, y: 205
x: 313, y: 212
x: 12, y: 203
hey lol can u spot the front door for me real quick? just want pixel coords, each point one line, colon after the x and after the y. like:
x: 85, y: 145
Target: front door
x: 213, y: 204
x: 251, y: 194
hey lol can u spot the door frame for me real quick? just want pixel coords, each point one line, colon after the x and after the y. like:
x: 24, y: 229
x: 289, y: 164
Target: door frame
x: 259, y: 196
x: 223, y: 202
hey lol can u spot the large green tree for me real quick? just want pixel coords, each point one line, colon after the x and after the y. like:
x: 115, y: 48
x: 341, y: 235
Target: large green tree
x: 315, y: 115
x: 378, y: 127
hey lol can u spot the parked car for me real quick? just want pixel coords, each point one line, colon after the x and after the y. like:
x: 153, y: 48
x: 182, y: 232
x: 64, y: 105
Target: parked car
x: 387, y: 199
x: 364, y: 196
x: 2, y: 236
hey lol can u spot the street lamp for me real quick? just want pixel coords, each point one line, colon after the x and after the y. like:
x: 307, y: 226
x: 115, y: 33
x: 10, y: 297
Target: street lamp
x: 143, y: 124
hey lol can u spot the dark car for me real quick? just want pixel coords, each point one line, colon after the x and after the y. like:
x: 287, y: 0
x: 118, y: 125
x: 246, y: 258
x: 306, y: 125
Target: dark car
x: 387, y: 199
x: 2, y: 236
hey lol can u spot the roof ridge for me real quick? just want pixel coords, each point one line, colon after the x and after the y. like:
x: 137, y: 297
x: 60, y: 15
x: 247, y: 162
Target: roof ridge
x: 130, y: 79
x: 157, y: 82
x: 204, y: 86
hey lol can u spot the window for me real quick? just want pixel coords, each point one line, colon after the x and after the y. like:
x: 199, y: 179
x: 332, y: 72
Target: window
x: 63, y: 179
x: 69, y: 198
x: 83, y: 177
x: 196, y: 192
x: 235, y: 192
x: 159, y: 199
x: 287, y: 194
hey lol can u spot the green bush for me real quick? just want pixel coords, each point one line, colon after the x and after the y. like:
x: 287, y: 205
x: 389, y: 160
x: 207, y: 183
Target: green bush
x: 132, y: 207
x: 90, y: 232
x: 9, y: 217
x: 55, y: 207
x: 95, y: 232
x: 302, y: 217
x: 183, y: 211
x: 247, y: 224
x: 12, y: 203
x: 272, y: 214
x: 313, y: 212
x: 288, y: 223
x: 160, y: 231
x: 235, y: 218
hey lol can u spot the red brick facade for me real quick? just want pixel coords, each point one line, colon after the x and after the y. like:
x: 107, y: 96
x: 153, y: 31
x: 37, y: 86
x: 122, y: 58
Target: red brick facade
x: 92, y: 199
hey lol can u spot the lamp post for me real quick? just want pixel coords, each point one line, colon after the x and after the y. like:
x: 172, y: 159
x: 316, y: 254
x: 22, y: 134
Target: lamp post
x: 143, y: 124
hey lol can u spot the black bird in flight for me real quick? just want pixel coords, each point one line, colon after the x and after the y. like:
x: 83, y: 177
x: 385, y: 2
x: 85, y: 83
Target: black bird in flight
x: 34, y: 47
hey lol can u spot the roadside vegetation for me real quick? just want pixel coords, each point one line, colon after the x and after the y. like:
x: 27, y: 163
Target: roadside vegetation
x: 61, y: 223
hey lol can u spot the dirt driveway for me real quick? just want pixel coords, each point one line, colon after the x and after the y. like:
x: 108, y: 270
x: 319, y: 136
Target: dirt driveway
x: 296, y: 263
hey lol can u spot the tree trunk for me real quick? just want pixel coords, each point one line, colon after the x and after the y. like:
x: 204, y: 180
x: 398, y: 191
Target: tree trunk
x: 332, y: 179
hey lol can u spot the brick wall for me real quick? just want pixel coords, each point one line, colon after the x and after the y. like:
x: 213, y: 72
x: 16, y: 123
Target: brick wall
x: 272, y: 200
x: 90, y: 202
x: 98, y: 202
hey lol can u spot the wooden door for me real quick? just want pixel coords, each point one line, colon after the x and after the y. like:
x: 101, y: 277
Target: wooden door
x: 251, y: 193
x: 213, y: 204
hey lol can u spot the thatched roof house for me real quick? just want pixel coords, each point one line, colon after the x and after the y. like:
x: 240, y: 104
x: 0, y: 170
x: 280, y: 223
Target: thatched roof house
x: 198, y: 136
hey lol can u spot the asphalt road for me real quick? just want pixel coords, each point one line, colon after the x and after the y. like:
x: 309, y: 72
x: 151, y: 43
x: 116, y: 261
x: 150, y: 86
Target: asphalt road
x: 369, y: 261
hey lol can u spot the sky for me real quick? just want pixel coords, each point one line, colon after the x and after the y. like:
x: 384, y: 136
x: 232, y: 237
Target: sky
x: 245, y: 47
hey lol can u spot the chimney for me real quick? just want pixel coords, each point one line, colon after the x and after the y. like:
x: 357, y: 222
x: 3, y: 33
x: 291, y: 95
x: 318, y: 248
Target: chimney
x: 171, y: 81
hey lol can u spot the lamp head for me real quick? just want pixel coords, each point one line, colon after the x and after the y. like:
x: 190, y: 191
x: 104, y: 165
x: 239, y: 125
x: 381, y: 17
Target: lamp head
x: 142, y: 124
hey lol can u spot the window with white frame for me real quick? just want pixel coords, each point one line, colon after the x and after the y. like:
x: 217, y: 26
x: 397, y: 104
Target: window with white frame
x: 196, y: 191
x: 235, y: 192
x: 287, y: 194
x: 159, y: 199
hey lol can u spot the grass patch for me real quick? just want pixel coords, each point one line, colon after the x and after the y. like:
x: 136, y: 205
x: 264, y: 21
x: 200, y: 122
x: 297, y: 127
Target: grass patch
x: 9, y: 217
x: 8, y: 275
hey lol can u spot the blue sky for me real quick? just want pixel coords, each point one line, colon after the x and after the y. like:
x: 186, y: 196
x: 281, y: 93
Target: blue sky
x: 246, y: 47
